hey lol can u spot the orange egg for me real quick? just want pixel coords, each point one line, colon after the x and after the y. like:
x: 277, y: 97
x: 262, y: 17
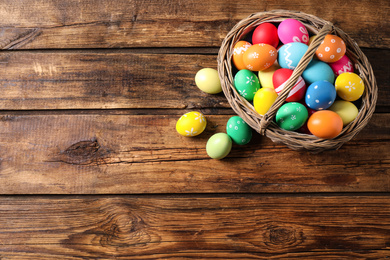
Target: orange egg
x: 331, y: 49
x: 325, y: 124
x: 238, y: 52
x: 259, y: 57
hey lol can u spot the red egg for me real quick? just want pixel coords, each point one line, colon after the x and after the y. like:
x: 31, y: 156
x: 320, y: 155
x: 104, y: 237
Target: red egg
x: 279, y: 81
x: 325, y: 124
x: 266, y: 33
x: 304, y: 129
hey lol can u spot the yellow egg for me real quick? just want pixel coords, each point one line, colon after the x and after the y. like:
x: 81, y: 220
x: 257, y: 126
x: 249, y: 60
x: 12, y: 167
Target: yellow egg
x: 265, y: 76
x: 311, y: 39
x: 207, y: 80
x: 349, y: 86
x: 346, y: 110
x: 191, y: 124
x: 263, y: 100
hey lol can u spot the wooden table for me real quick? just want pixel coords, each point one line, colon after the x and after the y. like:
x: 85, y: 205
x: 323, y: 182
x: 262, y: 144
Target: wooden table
x: 91, y: 166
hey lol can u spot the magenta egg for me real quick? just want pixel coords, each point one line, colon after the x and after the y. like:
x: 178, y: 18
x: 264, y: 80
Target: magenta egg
x: 342, y: 65
x: 291, y: 30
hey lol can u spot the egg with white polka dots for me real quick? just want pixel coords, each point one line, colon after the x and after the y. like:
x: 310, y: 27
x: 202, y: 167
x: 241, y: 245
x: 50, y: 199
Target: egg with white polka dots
x: 238, y: 130
x: 291, y: 116
x: 331, y: 49
x: 320, y: 95
x: 191, y: 124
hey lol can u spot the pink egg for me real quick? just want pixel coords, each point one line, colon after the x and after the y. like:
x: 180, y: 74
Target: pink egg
x: 342, y: 65
x: 291, y: 30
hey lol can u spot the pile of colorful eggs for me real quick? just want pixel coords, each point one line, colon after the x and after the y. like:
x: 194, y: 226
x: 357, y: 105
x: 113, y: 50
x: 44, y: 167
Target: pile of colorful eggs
x: 193, y: 123
x: 320, y: 103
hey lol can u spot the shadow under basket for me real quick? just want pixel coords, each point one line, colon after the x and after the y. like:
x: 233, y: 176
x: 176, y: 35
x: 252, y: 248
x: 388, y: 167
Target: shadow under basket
x: 265, y: 125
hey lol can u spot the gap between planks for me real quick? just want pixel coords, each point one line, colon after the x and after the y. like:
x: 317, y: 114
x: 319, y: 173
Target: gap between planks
x: 201, y: 195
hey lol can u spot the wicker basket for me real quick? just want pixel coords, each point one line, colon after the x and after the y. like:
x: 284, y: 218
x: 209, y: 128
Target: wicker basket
x: 265, y: 124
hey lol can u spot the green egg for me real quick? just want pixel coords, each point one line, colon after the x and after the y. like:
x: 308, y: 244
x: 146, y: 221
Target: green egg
x: 246, y: 83
x: 218, y: 146
x: 238, y: 130
x: 291, y: 116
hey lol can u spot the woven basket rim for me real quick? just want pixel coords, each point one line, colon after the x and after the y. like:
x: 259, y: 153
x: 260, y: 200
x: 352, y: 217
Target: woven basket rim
x: 264, y: 124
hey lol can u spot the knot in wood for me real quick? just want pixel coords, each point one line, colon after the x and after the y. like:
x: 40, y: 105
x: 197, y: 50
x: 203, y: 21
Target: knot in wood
x: 83, y: 152
x: 282, y: 236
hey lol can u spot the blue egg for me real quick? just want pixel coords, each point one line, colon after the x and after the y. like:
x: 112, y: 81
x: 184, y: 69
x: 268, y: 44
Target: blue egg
x: 320, y: 95
x: 318, y: 70
x: 290, y: 54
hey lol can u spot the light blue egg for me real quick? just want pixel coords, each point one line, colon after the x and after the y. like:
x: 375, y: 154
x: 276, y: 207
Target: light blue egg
x: 316, y: 71
x: 290, y: 54
x: 320, y: 95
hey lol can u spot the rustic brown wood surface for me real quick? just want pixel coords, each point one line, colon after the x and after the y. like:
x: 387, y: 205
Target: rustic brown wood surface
x: 91, y: 166
x: 188, y: 227
x: 147, y: 155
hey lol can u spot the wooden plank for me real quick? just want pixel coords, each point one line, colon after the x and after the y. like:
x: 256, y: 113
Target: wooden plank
x: 134, y: 154
x: 215, y: 227
x: 136, y: 23
x: 123, y: 79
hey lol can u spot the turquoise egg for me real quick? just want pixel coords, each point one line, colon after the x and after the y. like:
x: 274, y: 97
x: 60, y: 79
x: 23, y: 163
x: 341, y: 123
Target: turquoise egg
x: 291, y: 116
x: 290, y: 54
x: 238, y: 130
x: 316, y: 71
x: 219, y: 146
x: 246, y: 83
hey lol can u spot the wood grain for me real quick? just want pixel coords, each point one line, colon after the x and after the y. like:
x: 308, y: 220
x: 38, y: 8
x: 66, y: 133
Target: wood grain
x: 123, y: 24
x: 123, y: 79
x: 183, y: 227
x: 100, y: 154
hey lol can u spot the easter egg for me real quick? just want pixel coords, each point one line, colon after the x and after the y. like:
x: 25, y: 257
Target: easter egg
x: 291, y: 30
x: 291, y: 116
x: 219, y: 146
x: 246, y: 83
x: 207, y: 80
x: 290, y: 54
x: 346, y: 110
x: 259, y: 57
x: 320, y: 95
x: 279, y: 80
x: 349, y: 86
x: 331, y: 49
x: 238, y: 130
x: 311, y: 39
x: 325, y: 124
x: 266, y: 33
x: 191, y: 124
x: 342, y: 65
x: 263, y: 100
x: 265, y: 76
x: 304, y: 129
x: 238, y: 52
x: 317, y: 70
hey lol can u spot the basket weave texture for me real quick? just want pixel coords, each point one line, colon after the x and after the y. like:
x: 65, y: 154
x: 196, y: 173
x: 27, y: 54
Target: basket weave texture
x: 265, y: 124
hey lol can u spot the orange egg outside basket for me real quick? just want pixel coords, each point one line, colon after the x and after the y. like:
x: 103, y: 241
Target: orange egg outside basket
x: 265, y: 125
